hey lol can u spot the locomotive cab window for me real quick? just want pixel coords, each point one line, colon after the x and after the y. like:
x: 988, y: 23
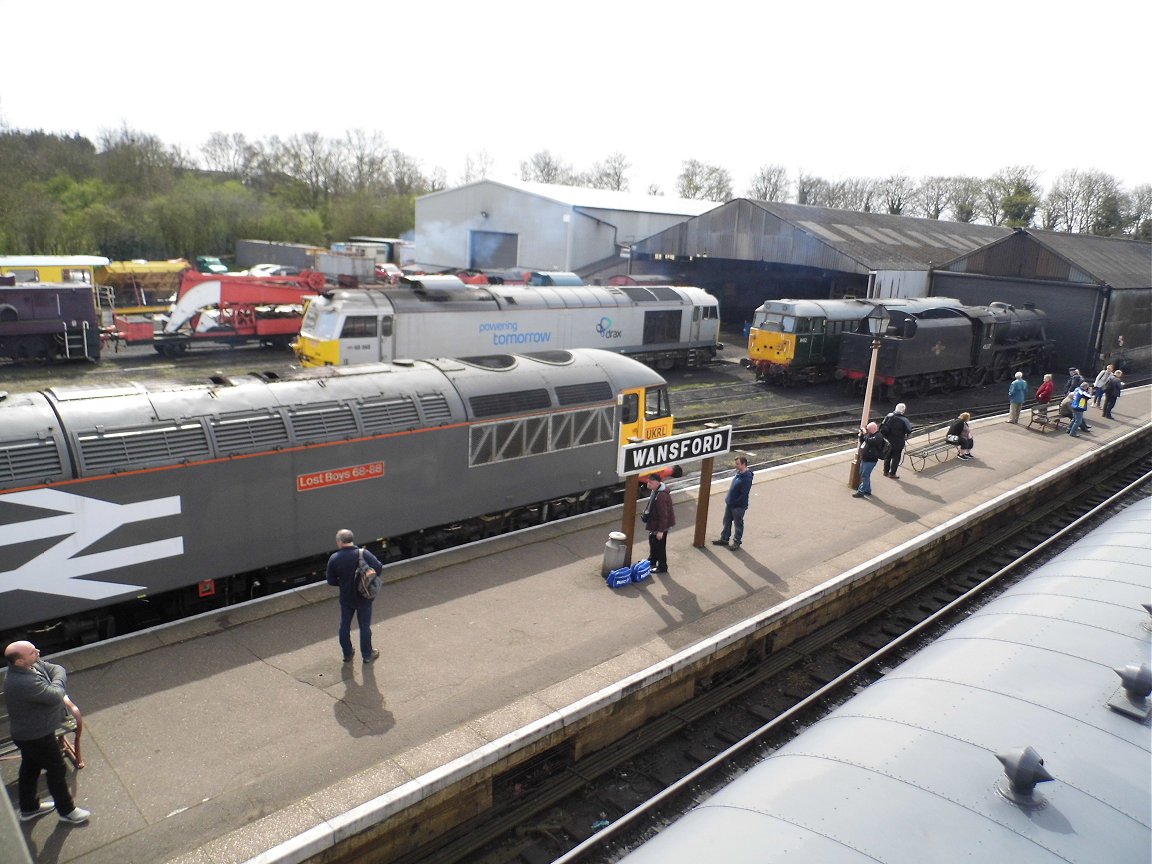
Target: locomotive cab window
x: 656, y: 403
x: 321, y: 322
x: 630, y: 408
x: 359, y: 327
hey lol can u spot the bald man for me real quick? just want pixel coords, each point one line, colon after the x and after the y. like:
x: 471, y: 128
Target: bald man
x: 34, y: 692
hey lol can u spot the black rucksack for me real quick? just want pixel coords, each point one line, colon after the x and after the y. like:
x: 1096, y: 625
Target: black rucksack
x: 367, y: 579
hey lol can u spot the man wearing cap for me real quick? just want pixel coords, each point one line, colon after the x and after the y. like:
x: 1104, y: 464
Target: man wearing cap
x: 896, y: 428
x: 659, y: 519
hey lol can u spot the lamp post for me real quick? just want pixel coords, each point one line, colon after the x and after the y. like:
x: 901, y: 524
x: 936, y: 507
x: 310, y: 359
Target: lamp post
x: 876, y: 319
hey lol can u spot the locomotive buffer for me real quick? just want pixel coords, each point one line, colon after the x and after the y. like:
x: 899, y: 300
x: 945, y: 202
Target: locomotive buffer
x: 641, y: 458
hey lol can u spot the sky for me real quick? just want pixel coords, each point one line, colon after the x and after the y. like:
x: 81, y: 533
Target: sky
x: 834, y: 89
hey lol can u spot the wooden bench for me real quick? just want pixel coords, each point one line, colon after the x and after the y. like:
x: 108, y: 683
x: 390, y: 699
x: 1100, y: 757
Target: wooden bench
x: 936, y: 447
x: 73, y: 726
x: 1043, y: 416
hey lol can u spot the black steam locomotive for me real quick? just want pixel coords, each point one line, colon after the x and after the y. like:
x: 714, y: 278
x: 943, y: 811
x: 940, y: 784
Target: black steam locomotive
x: 946, y: 348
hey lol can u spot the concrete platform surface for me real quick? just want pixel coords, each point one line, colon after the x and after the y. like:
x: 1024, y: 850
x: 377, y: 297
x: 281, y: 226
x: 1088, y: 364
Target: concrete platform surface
x: 214, y: 749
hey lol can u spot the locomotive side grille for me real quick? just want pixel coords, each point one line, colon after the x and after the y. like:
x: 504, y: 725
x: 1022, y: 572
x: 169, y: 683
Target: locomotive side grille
x: 531, y: 436
x: 495, y: 404
x: 389, y: 416
x: 132, y: 448
x: 582, y: 394
x: 29, y: 460
x: 246, y: 434
x: 435, y: 408
x: 323, y: 422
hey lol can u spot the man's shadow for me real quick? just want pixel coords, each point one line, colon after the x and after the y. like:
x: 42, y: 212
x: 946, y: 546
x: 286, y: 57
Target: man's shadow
x: 361, y: 710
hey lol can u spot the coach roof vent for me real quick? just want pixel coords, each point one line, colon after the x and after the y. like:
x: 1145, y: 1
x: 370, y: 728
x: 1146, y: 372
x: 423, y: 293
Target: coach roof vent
x: 1131, y: 699
x: 1023, y: 769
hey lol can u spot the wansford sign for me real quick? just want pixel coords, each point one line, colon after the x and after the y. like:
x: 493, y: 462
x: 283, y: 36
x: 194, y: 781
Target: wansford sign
x: 664, y: 452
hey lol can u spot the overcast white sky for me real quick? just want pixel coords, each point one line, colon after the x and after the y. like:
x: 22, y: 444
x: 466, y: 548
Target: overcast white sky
x: 837, y: 89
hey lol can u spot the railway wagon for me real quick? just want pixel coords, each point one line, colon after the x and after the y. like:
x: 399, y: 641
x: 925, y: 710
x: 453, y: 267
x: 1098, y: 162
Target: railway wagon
x: 203, y: 491
x: 433, y: 316
x: 45, y: 322
x: 798, y: 341
x: 1014, y: 737
x: 948, y: 348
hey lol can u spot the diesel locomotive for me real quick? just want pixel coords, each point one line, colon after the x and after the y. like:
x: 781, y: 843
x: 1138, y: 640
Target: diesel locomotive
x: 432, y: 316
x: 124, y: 506
x: 947, y: 348
x: 798, y: 341
x: 44, y: 322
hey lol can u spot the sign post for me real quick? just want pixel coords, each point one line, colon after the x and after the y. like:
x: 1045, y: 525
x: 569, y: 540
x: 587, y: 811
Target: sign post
x: 648, y: 457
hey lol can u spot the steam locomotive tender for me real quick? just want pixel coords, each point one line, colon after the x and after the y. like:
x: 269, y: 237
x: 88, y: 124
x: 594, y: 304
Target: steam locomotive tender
x: 946, y: 348
x: 163, y: 502
x: 47, y: 322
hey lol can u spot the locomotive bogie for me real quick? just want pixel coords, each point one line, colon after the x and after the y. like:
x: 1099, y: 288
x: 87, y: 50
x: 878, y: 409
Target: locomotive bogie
x: 440, y: 316
x: 110, y: 495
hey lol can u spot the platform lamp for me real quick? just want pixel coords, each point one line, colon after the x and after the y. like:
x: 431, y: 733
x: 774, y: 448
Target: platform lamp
x: 875, y: 321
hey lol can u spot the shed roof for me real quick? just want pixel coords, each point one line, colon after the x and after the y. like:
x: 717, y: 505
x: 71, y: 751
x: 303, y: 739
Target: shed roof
x: 598, y: 199
x: 883, y: 241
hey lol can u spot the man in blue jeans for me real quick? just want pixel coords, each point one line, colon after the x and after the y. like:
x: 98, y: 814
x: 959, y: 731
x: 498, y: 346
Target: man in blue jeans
x: 735, y: 505
x: 342, y: 572
x: 871, y: 452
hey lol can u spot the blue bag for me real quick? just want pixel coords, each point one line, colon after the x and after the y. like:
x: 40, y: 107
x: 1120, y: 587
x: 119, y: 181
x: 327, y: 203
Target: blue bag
x: 641, y: 570
x: 619, y: 577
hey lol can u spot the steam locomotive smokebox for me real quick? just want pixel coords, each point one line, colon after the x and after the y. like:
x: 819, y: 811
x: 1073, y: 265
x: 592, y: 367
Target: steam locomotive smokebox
x: 615, y: 551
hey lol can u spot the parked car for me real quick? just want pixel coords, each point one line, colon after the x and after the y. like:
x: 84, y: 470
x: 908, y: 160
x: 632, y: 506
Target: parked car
x: 273, y: 270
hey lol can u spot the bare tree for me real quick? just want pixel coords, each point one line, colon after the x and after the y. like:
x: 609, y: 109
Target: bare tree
x: 1140, y: 212
x: 931, y: 197
x: 654, y: 189
x: 477, y: 166
x: 364, y: 158
x: 140, y: 161
x: 964, y: 197
x: 313, y: 161
x: 770, y: 183
x: 611, y: 173
x: 811, y: 190
x: 704, y: 182
x: 853, y: 193
x: 229, y: 153
x: 543, y: 167
x: 897, y: 191
x: 407, y: 178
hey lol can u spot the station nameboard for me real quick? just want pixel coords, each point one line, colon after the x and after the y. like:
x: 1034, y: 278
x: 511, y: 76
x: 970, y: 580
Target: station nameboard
x: 664, y: 452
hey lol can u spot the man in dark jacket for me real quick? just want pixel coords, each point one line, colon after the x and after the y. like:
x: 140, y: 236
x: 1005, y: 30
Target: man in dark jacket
x: 871, y: 451
x: 896, y: 428
x: 34, y: 692
x: 736, y: 504
x: 659, y: 519
x: 342, y: 572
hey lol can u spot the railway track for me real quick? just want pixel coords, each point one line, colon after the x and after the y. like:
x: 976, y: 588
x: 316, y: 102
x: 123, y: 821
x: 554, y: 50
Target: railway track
x: 548, y: 810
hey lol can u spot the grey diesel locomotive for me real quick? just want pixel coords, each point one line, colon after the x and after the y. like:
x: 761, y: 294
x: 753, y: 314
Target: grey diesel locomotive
x: 204, y: 491
x: 948, y: 347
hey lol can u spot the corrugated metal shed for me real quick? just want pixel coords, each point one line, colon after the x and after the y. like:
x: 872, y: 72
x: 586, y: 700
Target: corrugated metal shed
x: 1058, y: 256
x: 821, y: 237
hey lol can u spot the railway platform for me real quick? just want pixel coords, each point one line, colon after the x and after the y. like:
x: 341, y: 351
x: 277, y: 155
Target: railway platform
x: 241, y: 735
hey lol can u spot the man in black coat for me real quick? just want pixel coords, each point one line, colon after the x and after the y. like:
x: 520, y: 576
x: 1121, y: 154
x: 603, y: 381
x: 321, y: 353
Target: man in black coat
x: 896, y: 428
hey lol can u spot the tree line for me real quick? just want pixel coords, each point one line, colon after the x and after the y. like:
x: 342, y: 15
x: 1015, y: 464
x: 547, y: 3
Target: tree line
x: 129, y: 195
